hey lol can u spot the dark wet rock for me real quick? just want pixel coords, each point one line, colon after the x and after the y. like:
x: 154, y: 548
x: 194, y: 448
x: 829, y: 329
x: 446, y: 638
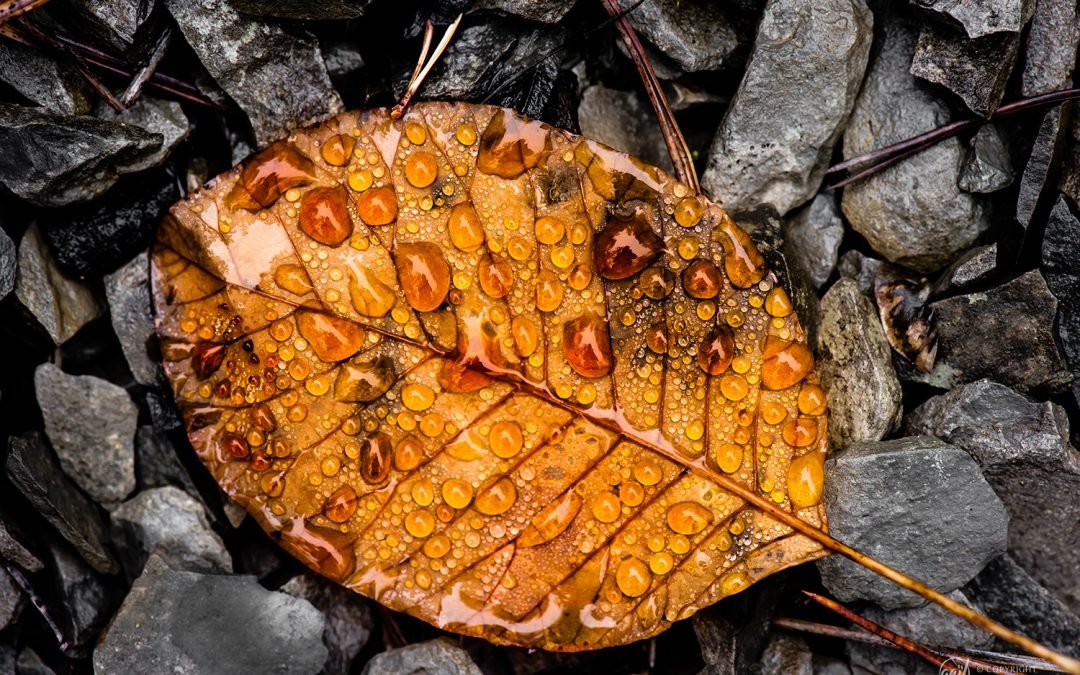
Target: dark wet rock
x: 976, y: 70
x: 546, y: 11
x: 1042, y: 163
x: 11, y: 600
x: 128, y: 292
x: 13, y: 550
x: 29, y: 663
x: 778, y: 134
x: 1024, y: 451
x: 987, y: 166
x: 157, y: 116
x: 787, y: 655
x: 342, y: 59
x: 91, y: 424
x: 62, y: 306
x: 917, y: 504
x: 625, y: 121
x: 970, y: 269
x: 309, y: 10
x: 35, y: 473
x: 1050, y: 50
x: 855, y: 364
x: 1069, y: 181
x: 1039, y: 615
x: 276, y: 75
x: 861, y: 269
x: 163, y: 413
x: 173, y: 524
x: 114, y: 21
x: 983, y: 18
x: 88, y: 241
x: 53, y: 160
x: 812, y: 238
x: 8, y: 255
x: 84, y: 600
x: 437, y: 657
x: 42, y: 80
x: 1005, y: 333
x: 914, y: 213
x: 185, y: 622
x: 695, y: 34
x: 1060, y: 252
x: 348, y: 618
x: 732, y: 635
x: 156, y: 463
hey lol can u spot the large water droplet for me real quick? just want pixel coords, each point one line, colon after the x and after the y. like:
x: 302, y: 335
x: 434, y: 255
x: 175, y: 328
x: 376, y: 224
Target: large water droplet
x: 423, y: 274
x: 587, y: 345
x: 625, y: 247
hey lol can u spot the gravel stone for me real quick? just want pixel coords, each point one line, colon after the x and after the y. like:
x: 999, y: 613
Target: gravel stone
x: 987, y: 166
x: 306, y: 10
x: 436, y: 657
x: 812, y: 237
x: 787, y: 655
x: 624, y: 121
x: 348, y: 618
x: 91, y: 424
x: 917, y: 504
x: 1060, y: 251
x: 695, y: 34
x: 155, y: 115
x: 11, y: 600
x: 42, y: 80
x: 128, y: 292
x: 974, y: 267
x: 62, y: 306
x: 173, y: 524
x: 984, y: 18
x: 13, y: 550
x: 799, y: 88
x: 545, y: 11
x: 156, y: 462
x: 976, y: 70
x: 1045, y: 156
x: 861, y: 269
x: 114, y: 21
x: 8, y: 264
x: 1050, y: 51
x: 84, y: 599
x: 30, y: 663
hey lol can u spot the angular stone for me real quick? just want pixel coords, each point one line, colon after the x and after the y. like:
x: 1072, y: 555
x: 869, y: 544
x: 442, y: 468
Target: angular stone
x: 855, y: 364
x: 30, y: 663
x: 1024, y: 452
x: 171, y: 523
x: 1046, y: 153
x: 306, y: 10
x: 436, y: 657
x: 128, y: 292
x: 1060, y: 251
x: 984, y: 18
x: 275, y: 75
x: 62, y: 306
x: 545, y: 11
x: 799, y: 88
x: 695, y: 34
x: 342, y: 58
x: 976, y: 70
x: 84, y: 600
x: 916, y: 504
x: 13, y: 550
x: 987, y: 166
x: 1005, y: 333
x: 42, y: 80
x: 156, y: 463
x: 1050, y: 50
x: 114, y: 21
x: 861, y: 269
x: 974, y: 267
x: 11, y: 600
x: 348, y: 618
x: 91, y: 424
x: 35, y: 473
x: 184, y: 622
x: 914, y: 213
x: 812, y: 237
x: 624, y: 121
x: 8, y: 265
x: 787, y: 655
x: 157, y: 116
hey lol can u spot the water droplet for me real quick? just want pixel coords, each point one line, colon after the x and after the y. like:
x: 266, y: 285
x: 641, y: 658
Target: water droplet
x: 422, y: 492
x: 408, y: 453
x: 657, y: 282
x: 777, y: 303
x: 423, y: 274
x: 729, y: 457
x: 421, y: 169
x: 734, y: 387
x: 417, y: 396
x: 701, y: 280
x: 587, y: 346
x: 688, y: 211
x: 267, y: 175
x: 437, y: 546
x: 505, y: 439
x: 656, y: 338
x: 552, y: 521
x: 497, y: 498
x: 606, y: 507
x: 688, y: 518
x: 206, y: 358
x: 337, y: 149
x: 465, y: 134
x: 376, y: 454
x: 549, y: 292
x: 457, y: 493
x: 661, y: 563
x: 332, y: 338
x: 812, y: 400
x: 716, y: 350
x: 292, y: 278
x: 580, y: 277
x: 324, y: 215
x: 496, y: 275
x: 419, y: 523
x: 377, y: 206
x: 631, y: 493
x: 466, y: 232
x: 370, y: 297
x: 526, y: 337
x: 647, y: 472
x: 632, y: 577
x: 625, y: 247
x: 786, y: 363
x: 800, y: 432
x: 364, y: 381
x: 341, y: 505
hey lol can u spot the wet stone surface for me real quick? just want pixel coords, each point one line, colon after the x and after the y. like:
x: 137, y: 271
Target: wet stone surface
x: 60, y: 304
x: 988, y: 166
x: 812, y: 238
x: 437, y: 657
x: 695, y: 34
x: 128, y: 293
x: 348, y: 618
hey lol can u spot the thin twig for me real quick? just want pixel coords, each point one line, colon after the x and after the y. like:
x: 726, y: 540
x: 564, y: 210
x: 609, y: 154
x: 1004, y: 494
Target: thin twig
x: 420, y: 74
x: 13, y: 8
x: 134, y: 90
x: 39, y: 604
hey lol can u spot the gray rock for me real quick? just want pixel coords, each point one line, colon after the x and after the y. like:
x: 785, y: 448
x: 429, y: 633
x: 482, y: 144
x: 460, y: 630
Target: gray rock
x: 791, y: 106
x: 42, y: 80
x: 861, y: 269
x: 695, y: 34
x: 1050, y: 50
x: 1060, y: 251
x: 173, y: 524
x: 12, y: 549
x: 156, y: 116
x: 91, y: 424
x: 128, y: 292
x: 436, y: 657
x: 114, y: 21
x: 34, y: 472
x: 62, y: 306
x: 545, y: 11
x: 342, y: 59
x: 53, y: 160
x: 915, y: 504
x: 156, y: 463
x: 30, y: 663
x: 855, y: 364
x: 1069, y: 180
x: 348, y: 618
x: 1006, y: 592
x: 787, y: 655
x: 1005, y: 333
x: 276, y: 76
x: 8, y: 264
x: 987, y: 165
x: 1045, y: 156
x: 11, y: 600
x: 976, y: 70
x: 812, y: 237
x: 308, y: 10
x: 974, y: 267
x: 914, y: 213
x: 624, y: 121
x: 184, y: 622
x: 984, y: 18
x: 84, y: 600
x: 1024, y: 452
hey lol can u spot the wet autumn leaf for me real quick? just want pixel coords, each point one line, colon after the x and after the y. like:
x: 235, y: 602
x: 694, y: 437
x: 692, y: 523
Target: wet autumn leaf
x: 491, y: 374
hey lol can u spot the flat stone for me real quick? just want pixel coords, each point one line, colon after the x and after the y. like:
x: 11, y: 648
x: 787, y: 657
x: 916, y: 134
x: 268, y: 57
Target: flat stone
x: 812, y: 237
x: 188, y: 623
x: 306, y: 10
x: 987, y: 165
x: 984, y: 18
x: 1024, y: 452
x: 801, y: 82
x: 43, y: 80
x: 1060, y: 251
x: 970, y: 269
x: 976, y: 70
x: 855, y: 365
x: 276, y: 76
x: 1019, y: 316
x: 1046, y: 153
x: 13, y: 550
x: 625, y: 121
x: 916, y: 504
x: 173, y: 524
x: 11, y: 600
x: 545, y: 11
x: 62, y: 306
x: 90, y: 423
x: 348, y: 618
x: 695, y: 34
x: 1050, y: 50
x: 128, y: 293
x: 1006, y: 592
x: 84, y: 600
x: 914, y: 214
x: 32, y: 469
x: 436, y: 657
x: 155, y: 115
x: 8, y: 264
